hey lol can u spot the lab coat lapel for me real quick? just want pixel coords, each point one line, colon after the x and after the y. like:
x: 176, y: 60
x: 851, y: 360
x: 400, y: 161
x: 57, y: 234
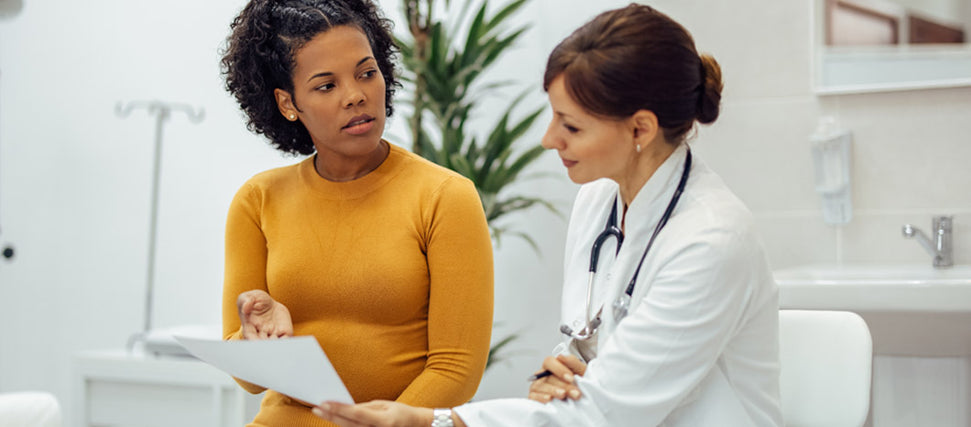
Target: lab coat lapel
x: 643, y: 215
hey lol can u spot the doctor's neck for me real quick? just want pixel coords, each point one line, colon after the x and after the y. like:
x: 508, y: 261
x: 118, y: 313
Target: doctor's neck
x: 641, y: 167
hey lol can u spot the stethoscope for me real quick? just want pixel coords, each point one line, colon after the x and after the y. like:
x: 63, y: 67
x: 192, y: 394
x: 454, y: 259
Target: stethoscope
x: 621, y: 305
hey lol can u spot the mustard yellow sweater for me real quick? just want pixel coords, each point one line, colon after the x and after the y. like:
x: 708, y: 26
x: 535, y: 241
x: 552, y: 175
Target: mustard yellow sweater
x: 392, y: 273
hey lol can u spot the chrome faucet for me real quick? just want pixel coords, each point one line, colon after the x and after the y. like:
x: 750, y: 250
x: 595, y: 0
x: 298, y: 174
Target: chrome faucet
x: 940, y: 245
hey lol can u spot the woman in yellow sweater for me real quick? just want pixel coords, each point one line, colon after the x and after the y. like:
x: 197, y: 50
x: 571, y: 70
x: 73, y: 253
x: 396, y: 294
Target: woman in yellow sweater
x: 381, y: 255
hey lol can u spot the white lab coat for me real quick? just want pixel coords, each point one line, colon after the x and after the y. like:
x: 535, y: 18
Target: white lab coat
x: 700, y: 345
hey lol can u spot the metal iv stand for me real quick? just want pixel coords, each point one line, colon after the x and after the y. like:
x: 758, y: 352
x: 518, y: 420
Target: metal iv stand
x: 162, y: 112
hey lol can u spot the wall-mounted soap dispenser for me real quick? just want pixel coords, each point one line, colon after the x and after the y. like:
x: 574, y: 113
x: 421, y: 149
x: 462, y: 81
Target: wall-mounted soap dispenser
x: 830, y: 146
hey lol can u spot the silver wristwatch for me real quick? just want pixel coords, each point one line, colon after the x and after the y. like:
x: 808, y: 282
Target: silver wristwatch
x: 442, y: 418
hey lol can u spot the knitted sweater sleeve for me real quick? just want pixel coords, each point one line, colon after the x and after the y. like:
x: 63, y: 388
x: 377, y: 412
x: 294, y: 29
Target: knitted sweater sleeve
x: 245, y: 263
x: 459, y: 254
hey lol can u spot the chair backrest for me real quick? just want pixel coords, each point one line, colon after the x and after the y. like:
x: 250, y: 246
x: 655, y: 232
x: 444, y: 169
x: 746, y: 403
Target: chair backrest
x: 826, y: 362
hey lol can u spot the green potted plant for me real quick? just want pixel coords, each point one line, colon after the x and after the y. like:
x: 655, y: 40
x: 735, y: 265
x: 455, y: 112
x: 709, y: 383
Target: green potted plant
x: 443, y: 66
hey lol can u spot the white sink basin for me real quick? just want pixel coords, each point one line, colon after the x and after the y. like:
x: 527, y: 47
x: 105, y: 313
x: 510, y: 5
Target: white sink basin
x: 878, y: 287
x: 877, y: 274
x: 910, y: 309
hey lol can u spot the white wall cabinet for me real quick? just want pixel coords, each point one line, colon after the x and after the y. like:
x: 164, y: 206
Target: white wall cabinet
x: 115, y: 388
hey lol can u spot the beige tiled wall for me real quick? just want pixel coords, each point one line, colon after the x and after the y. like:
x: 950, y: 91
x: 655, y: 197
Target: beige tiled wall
x: 763, y: 45
x: 911, y: 150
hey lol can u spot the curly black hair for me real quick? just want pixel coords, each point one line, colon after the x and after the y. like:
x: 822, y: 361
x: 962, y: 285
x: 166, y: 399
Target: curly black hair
x: 260, y: 57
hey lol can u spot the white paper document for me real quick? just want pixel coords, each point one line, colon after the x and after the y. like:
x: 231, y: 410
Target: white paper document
x: 294, y: 366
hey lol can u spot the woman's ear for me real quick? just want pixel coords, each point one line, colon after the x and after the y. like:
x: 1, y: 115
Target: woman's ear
x: 284, y: 101
x: 645, y: 127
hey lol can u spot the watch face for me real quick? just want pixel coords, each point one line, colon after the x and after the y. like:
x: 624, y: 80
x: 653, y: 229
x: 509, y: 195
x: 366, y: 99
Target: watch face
x: 442, y: 418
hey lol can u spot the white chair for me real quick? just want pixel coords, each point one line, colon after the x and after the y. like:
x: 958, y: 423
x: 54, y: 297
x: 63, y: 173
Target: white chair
x: 29, y: 409
x: 826, y: 362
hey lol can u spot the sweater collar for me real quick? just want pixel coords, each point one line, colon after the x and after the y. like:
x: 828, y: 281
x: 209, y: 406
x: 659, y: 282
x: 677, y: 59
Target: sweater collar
x: 355, y: 188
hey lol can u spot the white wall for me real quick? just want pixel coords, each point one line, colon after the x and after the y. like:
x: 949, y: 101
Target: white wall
x: 75, y: 179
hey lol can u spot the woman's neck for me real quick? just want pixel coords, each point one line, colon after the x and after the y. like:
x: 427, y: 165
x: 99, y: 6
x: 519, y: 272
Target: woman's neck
x: 642, y: 167
x: 341, y: 169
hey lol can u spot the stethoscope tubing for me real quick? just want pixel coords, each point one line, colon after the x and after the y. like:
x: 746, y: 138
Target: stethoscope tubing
x: 664, y: 221
x: 611, y: 230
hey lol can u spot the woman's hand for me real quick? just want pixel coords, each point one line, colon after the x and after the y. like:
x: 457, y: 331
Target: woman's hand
x: 377, y: 413
x: 560, y: 384
x: 262, y: 317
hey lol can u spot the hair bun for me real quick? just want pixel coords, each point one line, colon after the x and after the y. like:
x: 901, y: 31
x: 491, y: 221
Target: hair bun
x: 711, y: 89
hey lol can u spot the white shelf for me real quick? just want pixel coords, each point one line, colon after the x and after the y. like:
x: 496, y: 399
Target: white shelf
x: 115, y: 388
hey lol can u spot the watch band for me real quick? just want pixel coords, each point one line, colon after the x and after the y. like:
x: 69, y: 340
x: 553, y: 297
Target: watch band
x: 442, y: 418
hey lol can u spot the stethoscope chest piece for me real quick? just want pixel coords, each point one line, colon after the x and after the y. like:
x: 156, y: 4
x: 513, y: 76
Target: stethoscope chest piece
x: 620, y: 307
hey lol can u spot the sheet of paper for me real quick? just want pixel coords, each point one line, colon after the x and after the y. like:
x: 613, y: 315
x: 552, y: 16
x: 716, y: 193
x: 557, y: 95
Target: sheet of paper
x: 294, y: 366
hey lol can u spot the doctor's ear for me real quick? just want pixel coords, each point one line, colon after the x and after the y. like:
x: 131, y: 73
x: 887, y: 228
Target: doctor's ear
x: 645, y: 126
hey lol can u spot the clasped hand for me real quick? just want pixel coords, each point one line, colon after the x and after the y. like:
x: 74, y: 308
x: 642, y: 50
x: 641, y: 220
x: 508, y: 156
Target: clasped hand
x: 561, y: 384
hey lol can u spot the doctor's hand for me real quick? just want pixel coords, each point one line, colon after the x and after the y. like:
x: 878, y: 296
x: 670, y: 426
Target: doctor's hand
x: 262, y: 317
x: 561, y: 384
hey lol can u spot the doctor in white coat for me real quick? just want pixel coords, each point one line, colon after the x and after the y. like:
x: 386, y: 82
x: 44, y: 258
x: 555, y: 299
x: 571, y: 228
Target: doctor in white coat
x: 677, y: 326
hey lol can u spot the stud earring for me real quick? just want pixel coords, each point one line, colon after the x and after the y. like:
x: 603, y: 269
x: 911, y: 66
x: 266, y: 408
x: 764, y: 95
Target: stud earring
x: 637, y: 147
x: 292, y: 117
